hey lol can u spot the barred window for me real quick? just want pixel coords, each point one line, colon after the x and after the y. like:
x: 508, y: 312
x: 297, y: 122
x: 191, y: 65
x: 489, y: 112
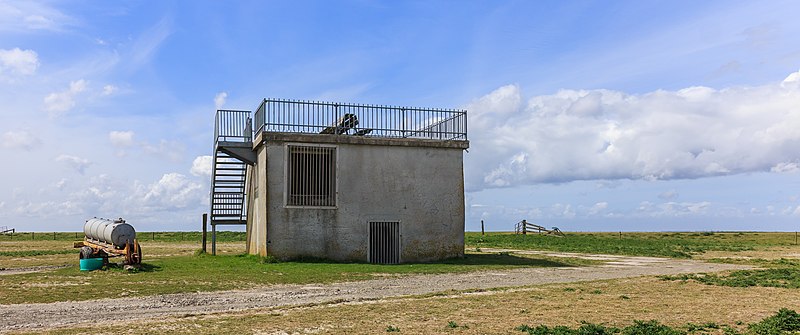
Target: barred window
x: 311, y: 176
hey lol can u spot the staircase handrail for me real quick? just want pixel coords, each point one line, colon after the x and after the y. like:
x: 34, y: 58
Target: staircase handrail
x: 233, y: 126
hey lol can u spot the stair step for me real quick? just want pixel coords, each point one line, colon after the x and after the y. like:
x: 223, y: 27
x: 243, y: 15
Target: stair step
x: 228, y: 189
x: 229, y: 222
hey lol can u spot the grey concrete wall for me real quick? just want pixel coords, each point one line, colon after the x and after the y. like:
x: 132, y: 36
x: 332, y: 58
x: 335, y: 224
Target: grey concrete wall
x: 422, y: 187
x: 257, y: 205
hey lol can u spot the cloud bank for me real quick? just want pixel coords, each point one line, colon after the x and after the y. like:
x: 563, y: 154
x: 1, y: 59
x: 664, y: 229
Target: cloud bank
x: 574, y: 135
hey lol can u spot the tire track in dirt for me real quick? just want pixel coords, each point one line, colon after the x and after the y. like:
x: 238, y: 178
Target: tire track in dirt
x: 70, y: 313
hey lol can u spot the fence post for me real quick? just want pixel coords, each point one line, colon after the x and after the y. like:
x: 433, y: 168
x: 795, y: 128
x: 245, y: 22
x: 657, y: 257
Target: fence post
x: 33, y: 236
x: 205, y: 221
x: 482, y: 232
x: 54, y: 236
x: 213, y: 239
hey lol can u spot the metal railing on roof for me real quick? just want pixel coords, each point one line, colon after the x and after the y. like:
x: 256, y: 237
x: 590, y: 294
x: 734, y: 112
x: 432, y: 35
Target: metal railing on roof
x: 233, y: 126
x: 313, y: 117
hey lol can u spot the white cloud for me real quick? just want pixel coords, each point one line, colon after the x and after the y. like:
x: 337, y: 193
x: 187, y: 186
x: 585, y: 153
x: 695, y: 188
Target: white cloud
x: 121, y: 138
x: 60, y: 102
x: 598, y: 207
x: 792, y: 80
x: 561, y: 210
x: 24, y: 16
x: 172, y: 191
x: 17, y: 62
x: 673, y: 209
x: 785, y: 168
x: 77, y: 163
x: 172, y: 150
x: 219, y: 100
x: 149, y: 42
x: 668, y: 195
x: 105, y: 195
x: 60, y: 184
x: 109, y: 89
x: 201, y: 166
x: 21, y: 139
x: 607, y: 135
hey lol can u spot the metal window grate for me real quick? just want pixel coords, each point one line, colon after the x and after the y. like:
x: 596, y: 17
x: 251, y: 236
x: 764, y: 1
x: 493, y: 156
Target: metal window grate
x: 384, y: 242
x: 311, y: 176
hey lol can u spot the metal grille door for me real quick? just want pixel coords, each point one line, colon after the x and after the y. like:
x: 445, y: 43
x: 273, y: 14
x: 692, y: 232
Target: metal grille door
x: 384, y: 242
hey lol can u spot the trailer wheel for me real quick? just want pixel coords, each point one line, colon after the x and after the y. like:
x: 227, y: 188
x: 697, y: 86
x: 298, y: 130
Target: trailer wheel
x: 133, y: 256
x: 138, y: 254
x: 86, y: 252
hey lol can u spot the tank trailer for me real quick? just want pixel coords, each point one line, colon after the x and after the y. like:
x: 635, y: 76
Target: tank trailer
x: 110, y: 238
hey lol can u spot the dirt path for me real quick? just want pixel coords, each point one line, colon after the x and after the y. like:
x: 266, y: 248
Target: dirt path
x: 29, y: 269
x: 36, y: 316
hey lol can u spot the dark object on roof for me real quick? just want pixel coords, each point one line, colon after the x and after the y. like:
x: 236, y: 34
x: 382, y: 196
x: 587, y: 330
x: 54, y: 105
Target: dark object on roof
x: 345, y: 123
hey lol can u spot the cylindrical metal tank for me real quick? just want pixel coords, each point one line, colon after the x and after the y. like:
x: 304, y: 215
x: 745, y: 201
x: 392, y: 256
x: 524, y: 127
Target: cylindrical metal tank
x: 115, y: 232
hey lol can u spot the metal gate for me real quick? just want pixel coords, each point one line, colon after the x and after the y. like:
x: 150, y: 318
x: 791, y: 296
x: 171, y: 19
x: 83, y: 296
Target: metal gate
x: 384, y: 242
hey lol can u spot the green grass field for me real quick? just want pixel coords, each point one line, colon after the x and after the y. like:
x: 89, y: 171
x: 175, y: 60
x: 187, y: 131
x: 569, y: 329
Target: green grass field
x: 683, y: 304
x: 676, y: 245
x: 172, y: 265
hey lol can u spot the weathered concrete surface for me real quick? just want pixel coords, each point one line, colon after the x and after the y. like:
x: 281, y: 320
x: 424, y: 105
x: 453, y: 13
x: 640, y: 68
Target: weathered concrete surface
x: 37, y: 316
x: 422, y: 187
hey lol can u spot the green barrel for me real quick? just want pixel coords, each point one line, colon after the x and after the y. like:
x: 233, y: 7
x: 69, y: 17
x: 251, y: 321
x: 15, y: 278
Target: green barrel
x: 90, y: 264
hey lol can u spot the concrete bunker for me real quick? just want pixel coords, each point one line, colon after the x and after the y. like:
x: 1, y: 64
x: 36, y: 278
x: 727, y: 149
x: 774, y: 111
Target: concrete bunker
x: 347, y: 182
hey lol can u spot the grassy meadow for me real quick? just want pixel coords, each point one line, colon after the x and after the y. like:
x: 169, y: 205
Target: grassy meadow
x: 757, y: 301
x: 675, y: 245
x: 172, y: 263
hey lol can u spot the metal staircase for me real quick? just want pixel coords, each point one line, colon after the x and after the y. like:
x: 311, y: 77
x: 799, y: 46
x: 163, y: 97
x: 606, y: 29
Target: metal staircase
x: 233, y: 151
x: 228, y: 190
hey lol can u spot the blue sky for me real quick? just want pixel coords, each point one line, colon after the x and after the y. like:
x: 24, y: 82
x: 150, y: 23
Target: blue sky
x: 586, y: 115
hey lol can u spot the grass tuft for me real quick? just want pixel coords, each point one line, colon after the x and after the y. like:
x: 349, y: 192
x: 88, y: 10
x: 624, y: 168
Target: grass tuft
x: 785, y: 321
x: 777, y: 277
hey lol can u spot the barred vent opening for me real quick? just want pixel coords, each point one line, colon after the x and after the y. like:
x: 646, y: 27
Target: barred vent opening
x: 384, y: 242
x: 311, y: 174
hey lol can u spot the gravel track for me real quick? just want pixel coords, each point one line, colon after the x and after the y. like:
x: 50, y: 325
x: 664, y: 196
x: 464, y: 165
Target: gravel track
x: 29, y: 269
x: 70, y: 313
